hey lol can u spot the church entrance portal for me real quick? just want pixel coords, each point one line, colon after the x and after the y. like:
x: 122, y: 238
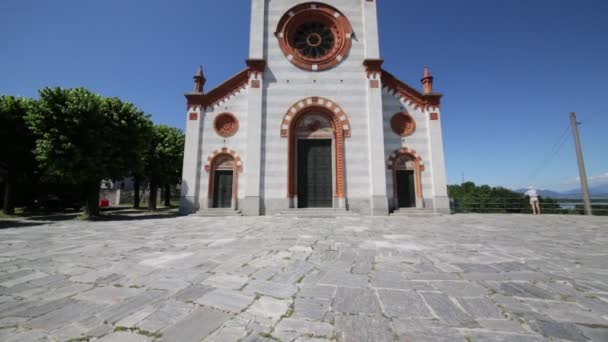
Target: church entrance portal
x: 405, y: 189
x: 314, y: 173
x: 222, y: 189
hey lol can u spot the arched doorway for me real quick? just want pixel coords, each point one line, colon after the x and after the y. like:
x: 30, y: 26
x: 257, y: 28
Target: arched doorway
x: 407, y: 170
x: 223, y: 170
x: 316, y: 128
x: 314, y: 171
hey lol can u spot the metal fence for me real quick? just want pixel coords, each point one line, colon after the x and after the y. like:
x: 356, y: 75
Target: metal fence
x: 554, y: 206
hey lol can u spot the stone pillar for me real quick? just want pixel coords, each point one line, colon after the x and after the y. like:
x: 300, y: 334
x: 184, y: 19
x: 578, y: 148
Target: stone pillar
x: 441, y: 201
x: 192, y: 164
x: 370, y: 22
x: 253, y: 160
x: 257, y: 29
x: 377, y: 164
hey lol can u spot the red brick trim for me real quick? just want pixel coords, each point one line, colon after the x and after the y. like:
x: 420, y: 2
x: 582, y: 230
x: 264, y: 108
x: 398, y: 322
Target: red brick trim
x: 223, y: 119
x: 211, y: 165
x: 419, y: 168
x: 193, y: 116
x: 341, y: 128
x: 323, y: 13
x: 403, y: 124
x: 434, y: 116
x: 410, y: 95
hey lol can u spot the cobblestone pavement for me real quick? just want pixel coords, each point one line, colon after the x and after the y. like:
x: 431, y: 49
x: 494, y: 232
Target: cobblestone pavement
x: 448, y: 278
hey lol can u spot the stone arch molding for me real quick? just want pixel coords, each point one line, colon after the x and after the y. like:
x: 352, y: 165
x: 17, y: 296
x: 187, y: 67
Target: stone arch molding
x: 419, y: 168
x: 308, y: 105
x: 224, y: 151
x: 341, y: 129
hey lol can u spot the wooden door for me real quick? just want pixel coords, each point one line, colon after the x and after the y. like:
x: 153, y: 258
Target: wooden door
x: 222, y: 189
x: 314, y: 173
x: 406, y: 191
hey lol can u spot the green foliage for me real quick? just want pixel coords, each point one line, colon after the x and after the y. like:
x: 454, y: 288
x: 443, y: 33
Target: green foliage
x: 15, y: 138
x: 164, y: 155
x: 17, y: 163
x: 469, y: 197
x: 84, y: 138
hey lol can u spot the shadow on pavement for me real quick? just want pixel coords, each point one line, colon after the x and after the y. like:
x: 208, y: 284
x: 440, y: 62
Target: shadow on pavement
x: 18, y: 224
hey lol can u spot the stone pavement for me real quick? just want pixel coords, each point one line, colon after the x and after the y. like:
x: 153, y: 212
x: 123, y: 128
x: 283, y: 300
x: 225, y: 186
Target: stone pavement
x: 447, y: 278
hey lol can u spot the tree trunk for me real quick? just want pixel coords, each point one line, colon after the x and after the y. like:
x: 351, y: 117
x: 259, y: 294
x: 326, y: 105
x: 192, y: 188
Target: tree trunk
x: 92, y: 196
x: 168, y: 195
x: 153, y: 193
x: 136, y: 199
x: 8, y: 206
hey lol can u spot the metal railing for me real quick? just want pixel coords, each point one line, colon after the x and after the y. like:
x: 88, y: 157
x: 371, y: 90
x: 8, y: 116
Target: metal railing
x: 552, y: 206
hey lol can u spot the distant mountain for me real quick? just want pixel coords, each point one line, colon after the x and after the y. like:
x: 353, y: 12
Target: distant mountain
x: 545, y: 193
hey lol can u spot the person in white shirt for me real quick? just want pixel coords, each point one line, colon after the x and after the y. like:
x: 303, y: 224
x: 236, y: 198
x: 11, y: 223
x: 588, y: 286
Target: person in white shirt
x: 534, y: 201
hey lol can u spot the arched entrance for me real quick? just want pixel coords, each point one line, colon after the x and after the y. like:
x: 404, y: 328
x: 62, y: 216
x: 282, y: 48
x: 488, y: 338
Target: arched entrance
x: 223, y: 168
x: 407, y: 170
x: 316, y: 128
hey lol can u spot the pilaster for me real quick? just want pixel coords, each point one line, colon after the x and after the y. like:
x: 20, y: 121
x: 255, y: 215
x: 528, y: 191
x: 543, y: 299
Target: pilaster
x: 257, y: 30
x: 370, y: 24
x: 377, y: 165
x: 441, y: 201
x: 189, y: 199
x: 251, y: 204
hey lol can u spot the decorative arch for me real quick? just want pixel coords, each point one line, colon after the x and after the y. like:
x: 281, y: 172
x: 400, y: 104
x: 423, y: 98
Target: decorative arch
x: 341, y: 130
x: 418, y: 169
x: 220, y: 157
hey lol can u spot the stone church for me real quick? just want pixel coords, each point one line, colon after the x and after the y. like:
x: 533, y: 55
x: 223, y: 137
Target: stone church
x: 313, y: 121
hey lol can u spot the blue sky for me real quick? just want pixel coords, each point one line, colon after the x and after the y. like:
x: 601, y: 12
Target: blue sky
x: 511, y: 71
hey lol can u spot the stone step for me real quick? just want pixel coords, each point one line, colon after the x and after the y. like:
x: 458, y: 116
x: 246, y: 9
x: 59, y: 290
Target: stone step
x: 414, y: 212
x: 218, y: 212
x: 315, y: 212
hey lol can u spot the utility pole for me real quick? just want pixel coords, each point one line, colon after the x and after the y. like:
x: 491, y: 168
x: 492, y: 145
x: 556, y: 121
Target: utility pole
x: 581, y: 164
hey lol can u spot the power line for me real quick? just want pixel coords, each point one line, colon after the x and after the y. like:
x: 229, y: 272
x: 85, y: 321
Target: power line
x: 555, y: 149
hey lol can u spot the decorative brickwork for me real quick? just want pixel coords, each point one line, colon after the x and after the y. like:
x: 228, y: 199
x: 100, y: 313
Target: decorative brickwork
x: 341, y: 130
x: 226, y: 125
x: 403, y: 124
x: 418, y: 168
x: 314, y: 36
x: 219, y: 157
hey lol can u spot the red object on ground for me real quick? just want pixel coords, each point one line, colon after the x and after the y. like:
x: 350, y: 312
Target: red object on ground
x: 104, y: 202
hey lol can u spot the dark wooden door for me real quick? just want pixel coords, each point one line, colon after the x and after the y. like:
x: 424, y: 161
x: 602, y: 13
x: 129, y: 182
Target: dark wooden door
x: 222, y: 189
x: 406, y: 189
x: 314, y: 173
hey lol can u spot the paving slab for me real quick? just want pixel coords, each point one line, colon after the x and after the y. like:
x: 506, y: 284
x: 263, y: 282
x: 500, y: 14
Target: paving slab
x: 444, y: 278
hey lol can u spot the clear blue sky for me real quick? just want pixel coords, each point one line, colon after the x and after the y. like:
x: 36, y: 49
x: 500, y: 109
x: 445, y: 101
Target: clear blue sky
x: 511, y: 71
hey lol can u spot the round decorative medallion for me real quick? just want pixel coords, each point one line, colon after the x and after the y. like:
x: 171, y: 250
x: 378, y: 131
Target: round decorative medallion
x: 403, y: 124
x: 226, y: 125
x: 314, y: 36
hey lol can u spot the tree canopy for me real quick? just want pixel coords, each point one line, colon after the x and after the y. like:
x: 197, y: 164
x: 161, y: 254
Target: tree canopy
x: 16, y: 158
x: 85, y: 138
x: 164, y: 158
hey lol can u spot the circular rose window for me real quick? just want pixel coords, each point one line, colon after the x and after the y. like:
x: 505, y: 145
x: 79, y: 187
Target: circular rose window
x: 403, y: 124
x: 314, y: 36
x: 226, y: 125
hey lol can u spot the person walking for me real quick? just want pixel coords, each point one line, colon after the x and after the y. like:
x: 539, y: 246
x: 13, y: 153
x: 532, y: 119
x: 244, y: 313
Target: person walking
x: 534, y: 200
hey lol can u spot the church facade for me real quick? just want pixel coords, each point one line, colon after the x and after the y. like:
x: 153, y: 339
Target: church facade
x: 314, y: 121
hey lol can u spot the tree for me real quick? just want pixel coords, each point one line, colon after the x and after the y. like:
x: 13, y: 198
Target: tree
x: 163, y: 159
x: 17, y: 141
x: 85, y: 138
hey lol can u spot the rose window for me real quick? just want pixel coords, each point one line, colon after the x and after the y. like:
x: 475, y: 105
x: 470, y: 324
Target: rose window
x: 314, y: 36
x: 314, y: 40
x: 403, y: 124
x: 226, y: 125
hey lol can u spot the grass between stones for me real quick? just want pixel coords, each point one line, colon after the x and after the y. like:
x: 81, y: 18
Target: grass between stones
x: 139, y: 331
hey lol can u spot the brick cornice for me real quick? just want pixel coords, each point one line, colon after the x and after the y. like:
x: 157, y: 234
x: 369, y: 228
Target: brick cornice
x: 409, y: 94
x: 373, y: 66
x: 219, y: 93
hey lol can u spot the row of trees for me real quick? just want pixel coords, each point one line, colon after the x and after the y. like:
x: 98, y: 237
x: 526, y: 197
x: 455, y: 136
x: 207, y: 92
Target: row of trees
x: 469, y: 197
x: 83, y: 138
